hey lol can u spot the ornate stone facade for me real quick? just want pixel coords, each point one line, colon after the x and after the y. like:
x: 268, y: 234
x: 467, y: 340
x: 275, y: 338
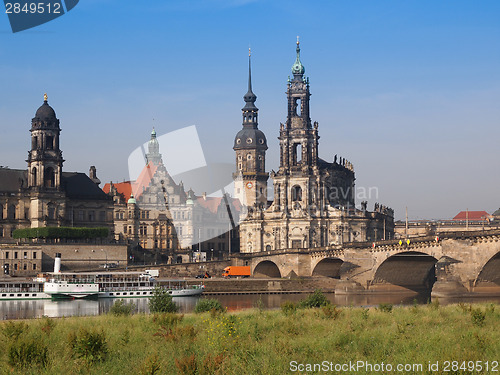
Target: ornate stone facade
x: 155, y: 213
x: 314, y: 200
x: 44, y: 195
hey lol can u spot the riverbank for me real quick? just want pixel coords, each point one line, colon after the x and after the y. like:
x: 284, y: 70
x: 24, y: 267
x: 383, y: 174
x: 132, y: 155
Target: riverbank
x: 256, y: 341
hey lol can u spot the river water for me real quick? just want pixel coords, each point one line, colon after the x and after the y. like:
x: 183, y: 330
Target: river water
x: 28, y: 309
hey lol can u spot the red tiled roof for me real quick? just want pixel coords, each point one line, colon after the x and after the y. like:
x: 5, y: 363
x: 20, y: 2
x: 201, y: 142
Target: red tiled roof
x: 472, y: 215
x: 126, y: 188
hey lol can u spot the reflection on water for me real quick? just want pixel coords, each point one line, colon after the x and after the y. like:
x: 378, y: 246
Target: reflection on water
x: 28, y: 309
x: 55, y: 309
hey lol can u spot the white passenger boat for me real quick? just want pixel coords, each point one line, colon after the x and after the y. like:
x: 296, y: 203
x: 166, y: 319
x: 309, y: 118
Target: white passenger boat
x: 113, y: 285
x: 14, y: 289
x: 103, y: 284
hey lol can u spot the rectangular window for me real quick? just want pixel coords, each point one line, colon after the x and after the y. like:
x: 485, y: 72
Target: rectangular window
x: 25, y: 266
x: 6, y: 255
x: 91, y: 215
x: 34, y: 266
x: 34, y: 254
x: 15, y: 267
x: 80, y: 215
x: 15, y: 254
x: 25, y: 255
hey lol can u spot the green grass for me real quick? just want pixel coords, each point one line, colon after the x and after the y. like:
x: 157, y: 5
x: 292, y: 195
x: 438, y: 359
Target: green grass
x: 250, y: 342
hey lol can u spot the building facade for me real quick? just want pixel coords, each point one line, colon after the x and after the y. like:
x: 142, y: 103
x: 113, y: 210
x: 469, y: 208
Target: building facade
x: 44, y: 195
x: 156, y: 214
x: 314, y: 200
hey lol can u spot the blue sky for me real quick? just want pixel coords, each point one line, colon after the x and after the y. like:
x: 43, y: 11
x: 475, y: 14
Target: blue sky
x: 408, y: 91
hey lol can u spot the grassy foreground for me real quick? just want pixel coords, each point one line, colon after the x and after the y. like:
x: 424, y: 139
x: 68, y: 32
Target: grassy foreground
x: 253, y: 342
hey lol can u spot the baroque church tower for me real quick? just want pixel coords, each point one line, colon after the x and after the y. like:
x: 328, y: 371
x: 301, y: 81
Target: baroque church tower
x: 314, y: 199
x: 250, y: 145
x: 45, y: 158
x: 298, y: 147
x: 45, y: 168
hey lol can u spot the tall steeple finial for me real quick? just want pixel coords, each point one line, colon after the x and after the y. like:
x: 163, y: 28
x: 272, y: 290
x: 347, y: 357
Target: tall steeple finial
x: 250, y: 97
x: 297, y: 68
x: 45, y: 97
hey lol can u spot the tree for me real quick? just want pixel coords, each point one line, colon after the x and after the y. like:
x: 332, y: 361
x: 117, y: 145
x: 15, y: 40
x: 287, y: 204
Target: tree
x: 161, y: 301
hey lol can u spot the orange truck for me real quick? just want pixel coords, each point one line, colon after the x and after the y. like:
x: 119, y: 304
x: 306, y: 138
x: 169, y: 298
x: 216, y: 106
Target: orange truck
x: 236, y: 271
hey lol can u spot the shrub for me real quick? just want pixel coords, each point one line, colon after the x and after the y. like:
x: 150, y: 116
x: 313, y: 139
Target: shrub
x: 208, y: 304
x: 288, y: 308
x: 48, y: 325
x: 187, y: 365
x: 161, y: 301
x: 89, y: 345
x: 27, y: 352
x: 167, y: 320
x: 12, y: 330
x: 385, y: 307
x: 331, y: 312
x: 61, y: 232
x: 317, y: 299
x: 120, y: 307
x: 478, y: 317
x: 151, y: 365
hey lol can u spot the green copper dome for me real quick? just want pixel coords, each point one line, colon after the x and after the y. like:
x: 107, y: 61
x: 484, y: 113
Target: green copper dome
x: 132, y: 199
x: 297, y: 67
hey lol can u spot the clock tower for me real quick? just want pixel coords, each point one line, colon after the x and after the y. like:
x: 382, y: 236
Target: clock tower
x: 250, y: 145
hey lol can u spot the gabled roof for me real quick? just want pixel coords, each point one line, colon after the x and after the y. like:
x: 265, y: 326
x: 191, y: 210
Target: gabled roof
x: 472, y: 215
x: 127, y: 188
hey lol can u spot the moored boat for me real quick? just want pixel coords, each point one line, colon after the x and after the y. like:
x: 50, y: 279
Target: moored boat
x: 113, y: 285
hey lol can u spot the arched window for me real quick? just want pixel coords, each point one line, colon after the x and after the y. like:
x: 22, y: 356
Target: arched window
x: 297, y: 153
x: 297, y: 106
x: 268, y: 247
x: 11, y: 211
x: 49, y: 142
x: 296, y: 193
x: 49, y: 177
x: 33, y: 173
x: 51, y: 211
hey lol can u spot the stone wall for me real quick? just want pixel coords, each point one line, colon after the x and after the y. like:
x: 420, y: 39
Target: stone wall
x: 82, y: 257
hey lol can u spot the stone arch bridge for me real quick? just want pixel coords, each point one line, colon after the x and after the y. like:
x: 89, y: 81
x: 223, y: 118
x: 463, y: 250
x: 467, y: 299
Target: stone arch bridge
x: 457, y: 264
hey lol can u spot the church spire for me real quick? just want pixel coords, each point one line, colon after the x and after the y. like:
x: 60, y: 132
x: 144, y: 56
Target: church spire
x: 250, y: 97
x: 298, y: 69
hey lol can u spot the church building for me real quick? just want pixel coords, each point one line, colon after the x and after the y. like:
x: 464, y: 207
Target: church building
x: 314, y: 200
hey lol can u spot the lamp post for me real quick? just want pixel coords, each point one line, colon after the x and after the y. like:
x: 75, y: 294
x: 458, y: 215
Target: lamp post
x: 106, y: 264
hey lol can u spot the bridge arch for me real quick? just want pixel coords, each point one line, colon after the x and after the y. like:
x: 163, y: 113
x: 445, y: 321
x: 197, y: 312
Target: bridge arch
x: 266, y: 268
x: 412, y: 270
x: 490, y: 272
x: 328, y: 267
